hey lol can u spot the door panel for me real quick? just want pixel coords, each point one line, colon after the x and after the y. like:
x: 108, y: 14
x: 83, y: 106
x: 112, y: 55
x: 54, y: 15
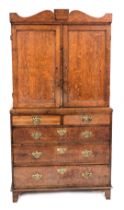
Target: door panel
x: 37, y: 76
x: 84, y: 66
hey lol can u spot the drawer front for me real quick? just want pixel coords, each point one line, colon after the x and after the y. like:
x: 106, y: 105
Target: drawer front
x: 58, y: 134
x: 67, y: 154
x: 35, y: 120
x: 61, y: 176
x: 87, y: 119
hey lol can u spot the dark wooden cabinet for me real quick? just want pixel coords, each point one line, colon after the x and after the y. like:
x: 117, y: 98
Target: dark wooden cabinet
x: 61, y: 121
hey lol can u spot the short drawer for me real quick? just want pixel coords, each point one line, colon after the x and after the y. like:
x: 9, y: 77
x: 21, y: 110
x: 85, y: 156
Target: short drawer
x: 35, y: 120
x: 68, y: 154
x: 61, y: 176
x: 87, y: 119
x: 44, y: 134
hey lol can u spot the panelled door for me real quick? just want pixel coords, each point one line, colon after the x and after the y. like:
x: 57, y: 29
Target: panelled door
x: 36, y: 66
x: 40, y: 65
x: 86, y: 65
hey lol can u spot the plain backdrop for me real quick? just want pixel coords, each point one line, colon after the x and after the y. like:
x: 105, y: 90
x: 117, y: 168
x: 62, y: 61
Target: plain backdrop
x: 68, y: 200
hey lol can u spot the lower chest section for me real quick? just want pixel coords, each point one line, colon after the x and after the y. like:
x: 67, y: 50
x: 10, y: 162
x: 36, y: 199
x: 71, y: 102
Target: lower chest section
x: 50, y: 151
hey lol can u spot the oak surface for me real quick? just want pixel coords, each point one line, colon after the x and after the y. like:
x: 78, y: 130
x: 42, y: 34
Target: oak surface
x: 61, y: 154
x: 61, y: 122
x: 50, y: 177
x: 50, y: 135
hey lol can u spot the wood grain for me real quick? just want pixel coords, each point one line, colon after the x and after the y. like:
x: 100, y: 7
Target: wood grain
x: 51, y: 178
x: 61, y: 81
x: 37, y: 71
x: 28, y: 120
x: 62, y: 154
x: 49, y: 135
x: 86, y: 80
x: 62, y: 111
x: 60, y: 15
x: 96, y: 119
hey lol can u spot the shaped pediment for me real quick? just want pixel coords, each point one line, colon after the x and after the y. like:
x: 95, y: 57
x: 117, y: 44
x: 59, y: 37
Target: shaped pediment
x: 60, y: 15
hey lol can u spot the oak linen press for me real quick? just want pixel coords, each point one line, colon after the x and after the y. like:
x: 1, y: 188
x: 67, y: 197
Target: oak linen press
x: 61, y: 121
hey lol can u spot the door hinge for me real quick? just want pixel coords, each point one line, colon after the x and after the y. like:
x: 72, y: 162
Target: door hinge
x: 10, y: 37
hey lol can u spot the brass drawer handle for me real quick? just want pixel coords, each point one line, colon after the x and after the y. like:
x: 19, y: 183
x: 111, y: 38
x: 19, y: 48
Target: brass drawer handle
x: 37, y: 176
x: 36, y: 135
x: 61, y: 131
x: 87, y: 153
x: 36, y: 120
x: 36, y: 154
x: 86, y: 118
x: 87, y: 174
x: 61, y: 150
x: 87, y: 134
x: 61, y: 170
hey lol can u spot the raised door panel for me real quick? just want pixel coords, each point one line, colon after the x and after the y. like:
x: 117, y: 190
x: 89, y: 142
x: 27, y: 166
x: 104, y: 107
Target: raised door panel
x: 86, y: 66
x: 36, y: 65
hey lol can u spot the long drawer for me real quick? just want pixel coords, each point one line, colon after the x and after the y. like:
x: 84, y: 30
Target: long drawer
x: 22, y: 135
x: 29, y: 155
x: 61, y: 176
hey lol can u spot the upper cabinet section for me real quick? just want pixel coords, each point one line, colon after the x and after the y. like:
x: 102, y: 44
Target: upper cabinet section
x: 60, y: 59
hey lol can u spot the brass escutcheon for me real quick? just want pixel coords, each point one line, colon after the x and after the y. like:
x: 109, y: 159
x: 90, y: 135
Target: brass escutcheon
x: 86, y: 118
x: 61, y: 131
x: 87, y: 153
x: 36, y: 135
x: 37, y: 176
x: 62, y: 170
x: 87, y: 174
x: 61, y: 150
x: 87, y: 134
x: 36, y: 120
x: 36, y: 154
